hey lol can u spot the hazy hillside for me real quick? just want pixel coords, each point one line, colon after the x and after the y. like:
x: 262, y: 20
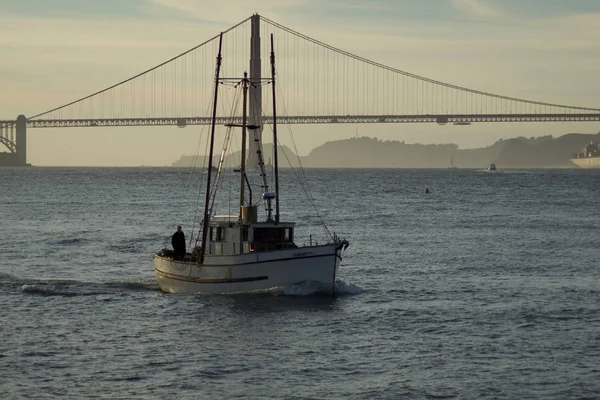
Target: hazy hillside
x: 234, y: 158
x: 368, y: 152
x: 479, y: 158
x: 543, y: 152
x: 365, y: 152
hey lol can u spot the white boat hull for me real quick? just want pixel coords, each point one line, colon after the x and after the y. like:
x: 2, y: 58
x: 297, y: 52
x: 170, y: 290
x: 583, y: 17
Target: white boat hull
x: 249, y: 272
x: 590, y: 162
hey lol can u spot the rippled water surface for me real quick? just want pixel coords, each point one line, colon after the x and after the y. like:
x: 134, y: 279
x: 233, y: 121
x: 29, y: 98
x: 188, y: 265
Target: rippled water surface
x: 487, y: 287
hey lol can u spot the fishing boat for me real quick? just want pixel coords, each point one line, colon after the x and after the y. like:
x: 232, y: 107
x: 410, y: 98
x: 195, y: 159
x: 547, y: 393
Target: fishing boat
x: 239, y: 253
x: 492, y: 167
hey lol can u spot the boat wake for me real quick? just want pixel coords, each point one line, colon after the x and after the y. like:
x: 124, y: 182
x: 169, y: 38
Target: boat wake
x: 71, y: 288
x: 312, y: 288
x: 504, y: 171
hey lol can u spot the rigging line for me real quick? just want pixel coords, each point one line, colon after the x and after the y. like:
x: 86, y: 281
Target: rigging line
x: 304, y: 185
x: 376, y: 64
x: 216, y: 185
x: 226, y: 141
x: 189, y: 184
x: 258, y: 139
x: 259, y: 150
x: 234, y: 146
x: 200, y: 191
x: 145, y: 72
x: 194, y: 164
x: 305, y: 188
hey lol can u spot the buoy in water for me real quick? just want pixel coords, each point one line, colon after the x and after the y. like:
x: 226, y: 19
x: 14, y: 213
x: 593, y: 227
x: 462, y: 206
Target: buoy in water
x: 426, y: 190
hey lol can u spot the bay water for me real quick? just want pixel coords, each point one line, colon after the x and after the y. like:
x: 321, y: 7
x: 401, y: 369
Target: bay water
x: 488, y: 286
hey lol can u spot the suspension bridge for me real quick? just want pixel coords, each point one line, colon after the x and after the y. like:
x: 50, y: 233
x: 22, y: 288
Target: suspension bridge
x: 318, y: 84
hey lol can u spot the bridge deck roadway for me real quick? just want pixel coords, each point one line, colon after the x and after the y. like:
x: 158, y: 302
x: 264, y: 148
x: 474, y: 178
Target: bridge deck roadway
x: 459, y: 119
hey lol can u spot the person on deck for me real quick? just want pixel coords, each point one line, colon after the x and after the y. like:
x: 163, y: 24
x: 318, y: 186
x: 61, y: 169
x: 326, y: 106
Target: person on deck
x: 178, y: 242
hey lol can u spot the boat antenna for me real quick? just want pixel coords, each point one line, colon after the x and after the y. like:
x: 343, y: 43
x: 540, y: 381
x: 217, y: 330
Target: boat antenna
x: 210, y: 156
x: 275, y: 161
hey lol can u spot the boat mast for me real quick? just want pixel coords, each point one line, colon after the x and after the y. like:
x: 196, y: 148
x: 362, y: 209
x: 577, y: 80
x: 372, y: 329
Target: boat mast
x: 243, y: 155
x: 275, y: 160
x: 243, y: 158
x: 210, y: 156
x: 255, y: 109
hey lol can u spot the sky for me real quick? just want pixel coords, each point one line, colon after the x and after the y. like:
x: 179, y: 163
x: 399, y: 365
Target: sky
x: 57, y: 51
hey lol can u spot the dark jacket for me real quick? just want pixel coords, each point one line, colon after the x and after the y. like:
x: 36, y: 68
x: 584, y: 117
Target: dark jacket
x: 178, y: 242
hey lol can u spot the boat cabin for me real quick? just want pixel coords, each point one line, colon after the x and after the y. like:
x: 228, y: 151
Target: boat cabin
x: 268, y: 236
x: 227, y: 236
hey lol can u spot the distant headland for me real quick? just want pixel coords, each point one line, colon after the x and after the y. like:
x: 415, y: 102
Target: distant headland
x: 366, y: 152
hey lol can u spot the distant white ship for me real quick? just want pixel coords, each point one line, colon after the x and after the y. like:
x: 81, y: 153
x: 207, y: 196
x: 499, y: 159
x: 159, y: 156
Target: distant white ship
x: 588, y: 157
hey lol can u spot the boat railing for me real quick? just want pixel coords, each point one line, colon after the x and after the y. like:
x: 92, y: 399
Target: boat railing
x: 227, y: 248
x: 265, y: 245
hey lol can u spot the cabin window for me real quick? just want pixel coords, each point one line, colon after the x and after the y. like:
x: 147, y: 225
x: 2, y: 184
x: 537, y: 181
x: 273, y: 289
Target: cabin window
x: 220, y: 234
x: 272, y: 238
x: 245, y: 233
x: 259, y: 235
x: 210, y: 234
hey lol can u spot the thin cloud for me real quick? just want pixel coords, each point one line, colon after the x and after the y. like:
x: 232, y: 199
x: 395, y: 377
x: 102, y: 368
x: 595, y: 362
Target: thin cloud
x: 231, y: 11
x: 477, y: 8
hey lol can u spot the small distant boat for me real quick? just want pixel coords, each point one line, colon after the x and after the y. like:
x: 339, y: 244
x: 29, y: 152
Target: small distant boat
x: 492, y: 167
x: 451, y: 165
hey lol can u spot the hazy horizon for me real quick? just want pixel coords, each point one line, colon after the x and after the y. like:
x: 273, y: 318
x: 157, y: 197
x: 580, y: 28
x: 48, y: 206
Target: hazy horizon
x: 54, y: 53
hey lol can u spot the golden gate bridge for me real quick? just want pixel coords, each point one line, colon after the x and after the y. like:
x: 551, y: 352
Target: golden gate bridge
x: 319, y: 84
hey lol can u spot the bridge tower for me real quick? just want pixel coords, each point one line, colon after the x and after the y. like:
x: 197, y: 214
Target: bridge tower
x: 255, y: 91
x: 13, y: 135
x: 21, y: 142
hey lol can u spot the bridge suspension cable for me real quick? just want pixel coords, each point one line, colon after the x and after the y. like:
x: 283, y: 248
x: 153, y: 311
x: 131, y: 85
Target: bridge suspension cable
x: 320, y: 83
x: 141, y: 74
x: 418, y: 77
